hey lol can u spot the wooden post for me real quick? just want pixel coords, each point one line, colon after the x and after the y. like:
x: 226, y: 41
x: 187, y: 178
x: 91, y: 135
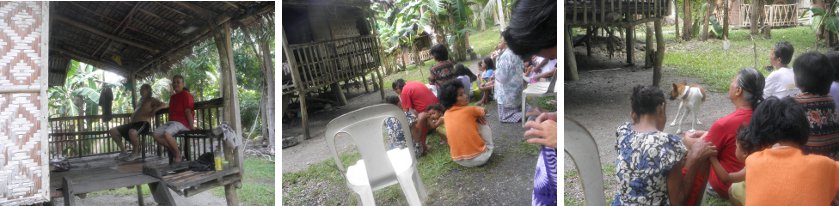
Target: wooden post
x: 231, y: 105
x: 659, y: 53
x: 570, y: 62
x: 630, y: 48
x: 649, y: 55
x: 379, y: 49
x: 133, y: 89
x: 298, y: 84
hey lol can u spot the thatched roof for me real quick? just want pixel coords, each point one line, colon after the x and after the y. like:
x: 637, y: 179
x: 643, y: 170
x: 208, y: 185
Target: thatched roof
x: 137, y: 37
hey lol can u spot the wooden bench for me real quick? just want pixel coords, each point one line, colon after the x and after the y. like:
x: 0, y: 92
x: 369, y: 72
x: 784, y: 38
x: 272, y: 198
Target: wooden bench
x: 195, y: 142
x: 104, y: 173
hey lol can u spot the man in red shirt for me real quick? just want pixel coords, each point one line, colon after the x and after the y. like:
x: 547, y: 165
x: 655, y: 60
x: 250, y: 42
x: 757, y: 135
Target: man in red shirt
x: 181, y: 115
x: 415, y: 95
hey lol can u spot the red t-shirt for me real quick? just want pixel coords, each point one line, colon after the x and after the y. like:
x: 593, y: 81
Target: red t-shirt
x: 178, y: 104
x: 415, y: 95
x: 723, y: 134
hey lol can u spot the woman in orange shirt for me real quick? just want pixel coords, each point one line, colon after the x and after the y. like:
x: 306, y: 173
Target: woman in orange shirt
x: 778, y: 172
x: 468, y: 146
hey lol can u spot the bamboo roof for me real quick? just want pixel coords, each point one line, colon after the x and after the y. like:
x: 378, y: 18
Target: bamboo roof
x: 138, y: 38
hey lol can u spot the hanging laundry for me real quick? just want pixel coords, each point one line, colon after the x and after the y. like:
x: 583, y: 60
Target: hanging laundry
x: 106, y: 99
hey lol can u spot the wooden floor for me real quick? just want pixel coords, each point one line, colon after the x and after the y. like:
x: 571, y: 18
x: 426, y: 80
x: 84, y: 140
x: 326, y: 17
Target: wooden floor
x: 102, y: 167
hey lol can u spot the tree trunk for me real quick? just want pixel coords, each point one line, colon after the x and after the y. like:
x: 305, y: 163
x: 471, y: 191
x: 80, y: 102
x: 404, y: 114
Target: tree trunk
x: 708, y: 9
x: 766, y: 30
x: 676, y: 19
x: 687, y: 32
x: 725, y: 19
x: 753, y: 18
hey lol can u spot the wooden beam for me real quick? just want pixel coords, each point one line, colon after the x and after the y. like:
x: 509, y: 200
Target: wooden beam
x: 195, y: 8
x: 86, y: 59
x: 298, y: 83
x: 103, y: 34
x: 231, y: 103
x: 186, y: 42
x: 231, y: 4
x: 117, y: 30
x: 174, y: 10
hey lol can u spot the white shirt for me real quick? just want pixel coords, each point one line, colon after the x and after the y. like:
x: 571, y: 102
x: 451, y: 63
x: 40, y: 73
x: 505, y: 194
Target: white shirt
x: 780, y: 83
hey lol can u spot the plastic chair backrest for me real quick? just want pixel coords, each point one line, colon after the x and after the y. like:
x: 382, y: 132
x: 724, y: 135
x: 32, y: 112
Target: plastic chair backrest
x: 581, y: 147
x: 365, y: 126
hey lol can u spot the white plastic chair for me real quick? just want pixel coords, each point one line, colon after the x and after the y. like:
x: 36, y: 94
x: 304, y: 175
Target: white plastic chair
x: 377, y: 168
x: 581, y: 147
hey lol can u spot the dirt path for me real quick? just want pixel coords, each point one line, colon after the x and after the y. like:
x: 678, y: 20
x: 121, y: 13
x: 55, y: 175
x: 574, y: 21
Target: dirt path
x: 600, y: 102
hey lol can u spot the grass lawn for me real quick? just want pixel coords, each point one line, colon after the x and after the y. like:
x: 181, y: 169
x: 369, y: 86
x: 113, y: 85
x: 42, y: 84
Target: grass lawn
x: 482, y: 42
x: 715, y: 66
x: 434, y: 164
x: 257, y: 187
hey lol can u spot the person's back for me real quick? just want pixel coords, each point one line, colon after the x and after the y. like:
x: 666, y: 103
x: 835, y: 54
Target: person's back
x: 780, y: 83
x: 813, y: 77
x: 645, y: 159
x: 785, y: 176
x: 415, y: 95
x: 462, y: 129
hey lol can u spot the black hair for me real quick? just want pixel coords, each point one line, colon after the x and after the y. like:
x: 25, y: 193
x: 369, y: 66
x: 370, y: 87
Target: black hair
x: 773, y: 121
x: 392, y: 99
x: 833, y: 57
x: 448, y: 93
x: 439, y: 52
x: 398, y: 84
x: 784, y: 50
x: 744, y: 139
x: 752, y: 82
x: 438, y: 107
x: 460, y: 70
x: 532, y: 27
x: 813, y: 73
x: 488, y: 61
x: 645, y: 99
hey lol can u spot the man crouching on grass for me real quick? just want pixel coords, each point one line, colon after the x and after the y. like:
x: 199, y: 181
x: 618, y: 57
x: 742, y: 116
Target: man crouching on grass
x: 181, y: 115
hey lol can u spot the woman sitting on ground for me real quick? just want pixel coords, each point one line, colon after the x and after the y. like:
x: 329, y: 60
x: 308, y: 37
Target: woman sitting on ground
x: 465, y: 76
x: 650, y: 162
x: 778, y: 172
x: 486, y: 84
x: 468, y: 146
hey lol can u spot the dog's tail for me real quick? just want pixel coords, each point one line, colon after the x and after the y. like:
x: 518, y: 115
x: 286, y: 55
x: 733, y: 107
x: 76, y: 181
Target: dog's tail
x: 702, y: 91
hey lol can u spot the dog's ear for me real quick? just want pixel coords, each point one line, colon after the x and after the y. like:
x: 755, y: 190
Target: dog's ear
x: 675, y: 86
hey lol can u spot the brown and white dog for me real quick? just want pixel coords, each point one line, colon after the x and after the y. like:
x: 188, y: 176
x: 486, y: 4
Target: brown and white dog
x: 692, y: 97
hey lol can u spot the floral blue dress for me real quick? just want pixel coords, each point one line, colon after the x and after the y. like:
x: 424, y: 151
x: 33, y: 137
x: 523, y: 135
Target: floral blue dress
x: 644, y: 161
x: 544, y: 181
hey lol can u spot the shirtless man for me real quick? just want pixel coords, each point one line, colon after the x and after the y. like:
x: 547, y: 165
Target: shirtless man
x: 139, y: 123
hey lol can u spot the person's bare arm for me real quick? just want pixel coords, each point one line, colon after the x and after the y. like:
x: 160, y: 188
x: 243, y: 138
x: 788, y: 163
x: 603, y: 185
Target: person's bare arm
x: 189, y: 118
x: 726, y: 177
x: 678, y: 185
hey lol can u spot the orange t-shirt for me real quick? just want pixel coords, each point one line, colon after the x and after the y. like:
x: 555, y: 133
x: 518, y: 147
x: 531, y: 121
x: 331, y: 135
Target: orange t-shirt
x: 462, y: 132
x: 785, y: 176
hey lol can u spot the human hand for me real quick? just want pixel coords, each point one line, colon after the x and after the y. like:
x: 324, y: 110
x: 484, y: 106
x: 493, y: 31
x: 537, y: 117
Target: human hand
x: 546, y: 116
x: 701, y: 150
x: 694, y: 134
x: 544, y: 132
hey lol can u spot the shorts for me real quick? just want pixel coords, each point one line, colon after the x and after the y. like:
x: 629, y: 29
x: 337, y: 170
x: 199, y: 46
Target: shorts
x: 171, y: 128
x: 141, y: 127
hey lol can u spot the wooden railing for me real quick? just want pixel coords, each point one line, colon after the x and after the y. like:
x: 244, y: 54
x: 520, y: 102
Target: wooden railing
x: 326, y: 62
x: 83, y: 136
x: 775, y: 15
x: 614, y: 12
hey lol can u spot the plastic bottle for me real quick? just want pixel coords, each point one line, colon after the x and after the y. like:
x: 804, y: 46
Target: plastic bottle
x: 219, y: 155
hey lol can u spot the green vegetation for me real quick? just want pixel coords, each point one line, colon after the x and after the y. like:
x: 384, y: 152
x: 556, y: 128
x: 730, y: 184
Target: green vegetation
x: 715, y: 66
x: 485, y: 41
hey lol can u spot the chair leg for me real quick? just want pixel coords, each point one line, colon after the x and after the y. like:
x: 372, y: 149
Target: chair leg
x: 365, y: 194
x: 412, y: 188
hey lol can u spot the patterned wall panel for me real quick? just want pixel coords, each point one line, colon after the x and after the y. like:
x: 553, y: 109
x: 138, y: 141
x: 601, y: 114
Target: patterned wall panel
x: 24, y: 172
